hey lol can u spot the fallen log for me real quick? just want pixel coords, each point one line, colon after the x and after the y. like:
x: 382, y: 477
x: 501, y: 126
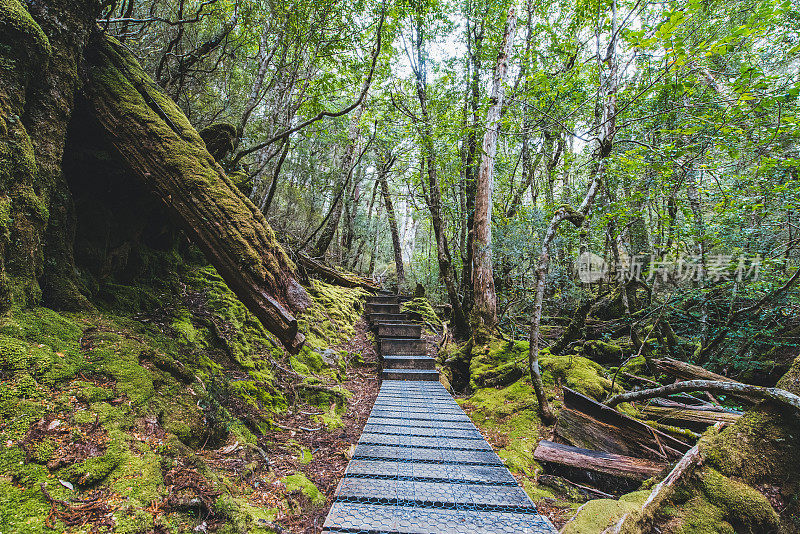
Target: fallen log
x: 612, y: 472
x: 688, y: 417
x: 163, y: 149
x: 334, y: 276
x: 686, y: 371
x: 589, y: 424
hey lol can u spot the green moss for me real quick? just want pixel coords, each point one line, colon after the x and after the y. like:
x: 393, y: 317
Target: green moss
x: 139, y: 479
x: 182, y: 324
x: 576, y: 372
x: 244, y: 517
x: 743, y: 505
x: 421, y: 308
x: 331, y: 419
x: 89, y: 393
x: 20, y: 32
x: 299, y: 483
x: 509, y: 414
x: 333, y: 312
x: 601, y: 351
x: 599, y: 514
x: 93, y: 470
x: 23, y: 510
x: 497, y: 363
x: 761, y: 446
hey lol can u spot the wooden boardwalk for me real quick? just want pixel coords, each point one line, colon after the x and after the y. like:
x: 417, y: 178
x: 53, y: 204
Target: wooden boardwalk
x: 421, y: 466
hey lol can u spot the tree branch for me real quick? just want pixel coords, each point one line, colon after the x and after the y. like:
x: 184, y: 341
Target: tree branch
x: 777, y: 395
x: 323, y: 114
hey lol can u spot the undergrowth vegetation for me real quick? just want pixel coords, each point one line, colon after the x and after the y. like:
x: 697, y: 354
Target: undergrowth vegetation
x: 126, y: 409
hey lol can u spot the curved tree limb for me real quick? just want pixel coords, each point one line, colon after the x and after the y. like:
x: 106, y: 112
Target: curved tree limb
x: 777, y: 395
x: 323, y: 114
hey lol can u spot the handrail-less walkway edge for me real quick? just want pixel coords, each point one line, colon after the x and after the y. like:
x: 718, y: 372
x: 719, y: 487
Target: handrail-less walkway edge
x: 421, y: 466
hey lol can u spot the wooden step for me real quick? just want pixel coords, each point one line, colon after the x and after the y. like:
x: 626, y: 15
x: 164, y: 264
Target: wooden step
x: 380, y: 318
x: 397, y: 330
x: 407, y: 361
x: 383, y: 299
x: 403, y: 346
x: 410, y: 374
x: 382, y: 308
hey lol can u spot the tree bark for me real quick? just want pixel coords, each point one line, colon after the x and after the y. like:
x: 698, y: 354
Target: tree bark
x: 484, y: 310
x: 474, y: 45
x: 41, y: 47
x: 434, y: 198
x: 617, y: 465
x: 587, y: 423
x: 166, y: 152
x: 386, y: 160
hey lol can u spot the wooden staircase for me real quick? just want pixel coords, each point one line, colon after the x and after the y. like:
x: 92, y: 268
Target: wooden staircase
x: 403, y: 351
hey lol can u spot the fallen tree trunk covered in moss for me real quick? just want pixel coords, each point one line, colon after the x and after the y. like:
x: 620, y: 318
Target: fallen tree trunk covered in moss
x: 686, y: 371
x: 661, y: 491
x: 163, y: 149
x: 331, y: 275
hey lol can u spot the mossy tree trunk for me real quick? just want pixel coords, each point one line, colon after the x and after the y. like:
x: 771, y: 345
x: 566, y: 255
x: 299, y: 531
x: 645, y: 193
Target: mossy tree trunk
x: 168, y: 155
x: 41, y: 45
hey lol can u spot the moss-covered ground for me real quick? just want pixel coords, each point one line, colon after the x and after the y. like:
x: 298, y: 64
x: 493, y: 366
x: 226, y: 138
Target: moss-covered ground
x: 747, y: 480
x: 164, y: 419
x: 503, y: 405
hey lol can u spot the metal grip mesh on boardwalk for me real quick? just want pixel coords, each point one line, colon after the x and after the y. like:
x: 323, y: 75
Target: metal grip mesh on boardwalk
x: 421, y: 466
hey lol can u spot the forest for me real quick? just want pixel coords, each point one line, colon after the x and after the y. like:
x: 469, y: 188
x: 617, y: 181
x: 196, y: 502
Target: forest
x: 237, y: 237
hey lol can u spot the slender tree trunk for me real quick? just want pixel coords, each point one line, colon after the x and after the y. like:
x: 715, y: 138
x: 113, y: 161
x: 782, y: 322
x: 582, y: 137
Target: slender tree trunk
x: 374, y: 249
x: 365, y: 238
x: 386, y: 162
x: 434, y: 198
x: 484, y: 311
x: 346, y: 166
x: 474, y: 46
x: 608, y: 92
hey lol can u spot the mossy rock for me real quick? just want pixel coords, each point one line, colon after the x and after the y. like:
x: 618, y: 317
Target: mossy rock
x: 602, y: 352
x: 421, y: 310
x: 298, y: 483
x: 512, y: 412
x: 576, y: 372
x: 497, y: 363
x: 597, y: 515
